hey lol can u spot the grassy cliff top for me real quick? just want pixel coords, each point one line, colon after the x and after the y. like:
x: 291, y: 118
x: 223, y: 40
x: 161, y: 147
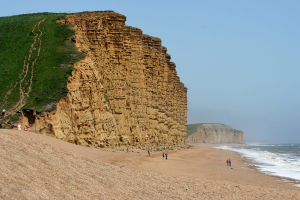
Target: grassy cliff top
x: 191, y: 128
x: 36, y: 57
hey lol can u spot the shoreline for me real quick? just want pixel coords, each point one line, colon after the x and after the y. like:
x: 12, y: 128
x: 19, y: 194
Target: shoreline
x: 251, y: 163
x: 283, y: 179
x: 217, y: 145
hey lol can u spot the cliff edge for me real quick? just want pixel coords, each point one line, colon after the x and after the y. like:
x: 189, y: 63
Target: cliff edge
x: 125, y: 92
x: 215, y: 134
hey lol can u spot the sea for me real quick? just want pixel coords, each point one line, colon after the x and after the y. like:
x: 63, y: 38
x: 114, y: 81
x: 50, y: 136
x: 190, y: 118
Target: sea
x: 282, y: 160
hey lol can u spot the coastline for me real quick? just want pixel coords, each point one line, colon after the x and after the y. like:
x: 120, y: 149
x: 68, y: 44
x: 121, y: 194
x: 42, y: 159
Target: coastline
x: 48, y: 167
x: 216, y: 145
x: 251, y: 164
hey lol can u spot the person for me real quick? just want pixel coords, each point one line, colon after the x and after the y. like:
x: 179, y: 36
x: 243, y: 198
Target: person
x: 0, y: 125
x: 148, y: 152
x: 163, y: 155
x: 166, y: 155
x: 3, y: 112
x: 229, y: 162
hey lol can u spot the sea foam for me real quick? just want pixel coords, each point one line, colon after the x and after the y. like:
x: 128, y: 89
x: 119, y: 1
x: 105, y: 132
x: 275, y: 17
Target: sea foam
x: 273, y: 159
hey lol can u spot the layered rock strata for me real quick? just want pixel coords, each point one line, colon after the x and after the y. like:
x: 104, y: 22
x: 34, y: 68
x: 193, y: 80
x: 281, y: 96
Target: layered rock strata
x: 216, y: 134
x: 125, y: 92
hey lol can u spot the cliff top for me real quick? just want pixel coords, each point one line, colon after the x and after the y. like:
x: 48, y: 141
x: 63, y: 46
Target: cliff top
x: 216, y: 126
x: 191, y: 128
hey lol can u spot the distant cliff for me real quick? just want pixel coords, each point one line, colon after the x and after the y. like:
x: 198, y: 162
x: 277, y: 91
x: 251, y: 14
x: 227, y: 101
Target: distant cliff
x: 214, y: 134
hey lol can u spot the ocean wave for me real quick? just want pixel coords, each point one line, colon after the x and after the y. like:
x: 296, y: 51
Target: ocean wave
x: 279, y: 160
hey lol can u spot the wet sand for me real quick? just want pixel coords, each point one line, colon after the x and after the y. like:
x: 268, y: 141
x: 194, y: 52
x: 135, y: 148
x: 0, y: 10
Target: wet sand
x: 35, y: 166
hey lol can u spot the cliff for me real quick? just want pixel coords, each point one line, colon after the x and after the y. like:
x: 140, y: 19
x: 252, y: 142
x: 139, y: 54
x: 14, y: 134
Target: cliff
x: 215, y: 134
x: 124, y: 92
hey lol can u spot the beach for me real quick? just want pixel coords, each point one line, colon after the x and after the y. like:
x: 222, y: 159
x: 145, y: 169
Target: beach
x: 35, y: 166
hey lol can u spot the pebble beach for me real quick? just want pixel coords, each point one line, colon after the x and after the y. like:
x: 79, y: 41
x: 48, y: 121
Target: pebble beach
x: 35, y: 166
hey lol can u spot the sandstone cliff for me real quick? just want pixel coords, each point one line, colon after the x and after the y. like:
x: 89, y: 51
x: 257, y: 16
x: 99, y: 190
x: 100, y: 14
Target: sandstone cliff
x: 125, y: 92
x: 216, y: 134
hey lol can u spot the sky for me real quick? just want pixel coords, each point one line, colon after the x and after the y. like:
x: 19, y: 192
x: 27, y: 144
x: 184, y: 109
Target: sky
x: 239, y: 59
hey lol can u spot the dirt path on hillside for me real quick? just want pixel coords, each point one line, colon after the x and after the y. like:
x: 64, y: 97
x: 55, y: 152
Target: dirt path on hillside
x: 24, y: 88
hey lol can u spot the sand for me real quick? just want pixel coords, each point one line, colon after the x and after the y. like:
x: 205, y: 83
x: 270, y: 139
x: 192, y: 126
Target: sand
x: 35, y: 166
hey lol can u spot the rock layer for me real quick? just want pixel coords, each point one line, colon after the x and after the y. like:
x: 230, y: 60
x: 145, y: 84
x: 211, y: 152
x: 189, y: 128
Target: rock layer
x: 125, y: 92
x: 216, y: 134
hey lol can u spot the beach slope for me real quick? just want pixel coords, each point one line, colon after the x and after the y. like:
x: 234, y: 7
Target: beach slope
x: 35, y: 166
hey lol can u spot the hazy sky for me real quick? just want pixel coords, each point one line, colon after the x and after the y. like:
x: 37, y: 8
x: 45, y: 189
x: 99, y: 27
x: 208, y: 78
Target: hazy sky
x: 240, y: 60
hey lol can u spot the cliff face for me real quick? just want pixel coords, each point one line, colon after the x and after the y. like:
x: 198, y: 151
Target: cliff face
x: 125, y: 92
x: 216, y: 134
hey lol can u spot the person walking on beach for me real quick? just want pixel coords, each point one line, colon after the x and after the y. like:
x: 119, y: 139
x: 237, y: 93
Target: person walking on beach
x: 163, y: 155
x: 227, y: 161
x: 166, y: 155
x: 148, y: 152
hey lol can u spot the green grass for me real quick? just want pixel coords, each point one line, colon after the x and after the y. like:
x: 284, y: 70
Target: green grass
x: 15, y: 41
x: 14, y: 117
x: 52, y: 68
x: 191, y: 128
